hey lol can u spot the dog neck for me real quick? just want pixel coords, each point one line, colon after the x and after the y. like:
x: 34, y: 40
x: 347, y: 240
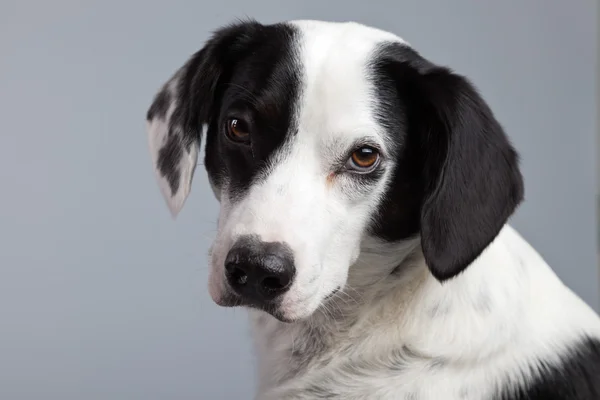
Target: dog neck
x: 395, y: 319
x: 393, y: 305
x: 382, y: 270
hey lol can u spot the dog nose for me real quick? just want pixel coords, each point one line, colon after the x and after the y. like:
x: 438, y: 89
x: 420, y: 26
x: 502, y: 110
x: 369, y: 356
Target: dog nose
x: 259, y: 271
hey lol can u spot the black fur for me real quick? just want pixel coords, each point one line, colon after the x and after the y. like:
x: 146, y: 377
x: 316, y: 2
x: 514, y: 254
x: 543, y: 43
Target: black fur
x: 248, y: 71
x: 168, y: 159
x: 457, y: 180
x: 455, y: 183
x: 159, y: 106
x: 263, y: 89
x: 577, y: 377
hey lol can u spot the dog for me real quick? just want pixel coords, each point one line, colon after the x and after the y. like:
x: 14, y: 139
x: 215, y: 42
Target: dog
x: 365, y: 194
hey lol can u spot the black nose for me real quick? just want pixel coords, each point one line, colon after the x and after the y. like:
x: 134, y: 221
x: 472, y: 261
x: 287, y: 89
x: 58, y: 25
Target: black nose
x: 259, y: 271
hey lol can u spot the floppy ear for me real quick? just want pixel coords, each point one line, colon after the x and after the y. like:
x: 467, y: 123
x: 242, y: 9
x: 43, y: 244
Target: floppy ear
x: 184, y: 107
x: 475, y: 183
x: 472, y: 182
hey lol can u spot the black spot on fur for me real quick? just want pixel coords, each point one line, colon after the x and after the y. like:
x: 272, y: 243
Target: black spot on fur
x: 457, y: 179
x: 577, y: 377
x: 168, y: 161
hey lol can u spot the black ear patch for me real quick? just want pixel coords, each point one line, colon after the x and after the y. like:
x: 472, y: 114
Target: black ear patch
x: 159, y: 106
x: 186, y: 103
x: 246, y: 62
x: 458, y: 175
x: 476, y: 183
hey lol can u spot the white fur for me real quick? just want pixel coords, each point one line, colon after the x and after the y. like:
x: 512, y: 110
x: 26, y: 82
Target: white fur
x: 158, y: 130
x: 410, y: 337
x: 527, y: 314
x: 322, y: 222
x: 487, y: 325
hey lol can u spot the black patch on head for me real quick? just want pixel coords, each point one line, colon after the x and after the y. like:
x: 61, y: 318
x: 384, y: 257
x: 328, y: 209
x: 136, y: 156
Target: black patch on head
x: 577, y: 377
x: 262, y: 88
x: 247, y: 70
x: 457, y: 179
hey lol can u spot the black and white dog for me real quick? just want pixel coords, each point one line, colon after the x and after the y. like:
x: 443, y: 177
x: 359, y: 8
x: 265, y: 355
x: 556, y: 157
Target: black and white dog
x: 365, y: 193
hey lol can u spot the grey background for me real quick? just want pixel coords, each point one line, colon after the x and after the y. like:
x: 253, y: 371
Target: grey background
x: 103, y: 296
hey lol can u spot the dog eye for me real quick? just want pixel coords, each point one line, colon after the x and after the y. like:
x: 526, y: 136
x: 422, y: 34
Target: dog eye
x: 364, y: 159
x: 237, y: 130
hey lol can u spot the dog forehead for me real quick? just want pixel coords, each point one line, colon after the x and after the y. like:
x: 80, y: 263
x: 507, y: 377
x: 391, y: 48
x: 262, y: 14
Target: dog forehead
x: 337, y: 93
x: 353, y: 35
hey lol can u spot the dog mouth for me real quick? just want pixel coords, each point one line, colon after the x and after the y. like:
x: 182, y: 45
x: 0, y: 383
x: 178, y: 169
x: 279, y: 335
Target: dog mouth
x: 273, y: 308
x: 231, y: 300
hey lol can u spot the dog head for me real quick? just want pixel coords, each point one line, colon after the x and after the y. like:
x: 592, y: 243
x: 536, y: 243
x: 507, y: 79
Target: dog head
x: 319, y: 135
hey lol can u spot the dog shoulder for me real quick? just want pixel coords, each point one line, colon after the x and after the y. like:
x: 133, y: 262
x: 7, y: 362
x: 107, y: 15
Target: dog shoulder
x: 561, y: 329
x: 575, y: 375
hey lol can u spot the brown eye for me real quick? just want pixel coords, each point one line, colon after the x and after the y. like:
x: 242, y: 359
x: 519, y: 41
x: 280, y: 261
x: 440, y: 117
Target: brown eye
x: 237, y: 130
x: 364, y: 159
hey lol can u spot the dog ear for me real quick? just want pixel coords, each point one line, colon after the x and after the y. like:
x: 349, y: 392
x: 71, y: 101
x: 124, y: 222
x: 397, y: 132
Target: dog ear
x: 475, y: 183
x: 470, y: 171
x: 184, y: 107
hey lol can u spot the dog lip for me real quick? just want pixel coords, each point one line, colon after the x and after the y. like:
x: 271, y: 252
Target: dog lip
x: 231, y: 300
x: 273, y: 310
x: 281, y: 318
x: 228, y: 300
